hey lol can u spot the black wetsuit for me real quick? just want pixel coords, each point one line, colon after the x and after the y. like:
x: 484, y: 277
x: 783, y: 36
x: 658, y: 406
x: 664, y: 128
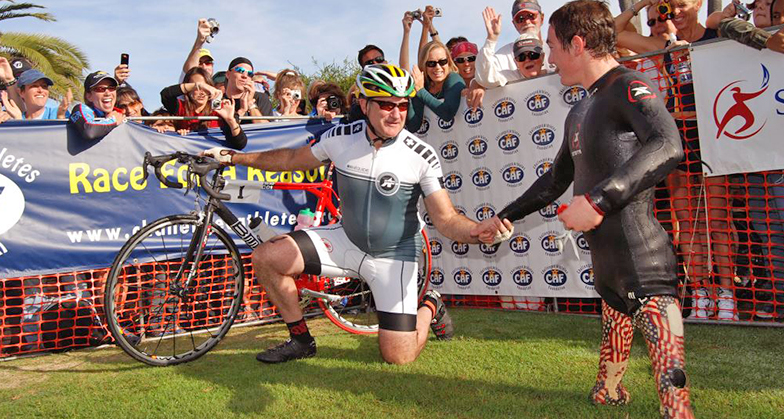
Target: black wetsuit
x: 619, y: 142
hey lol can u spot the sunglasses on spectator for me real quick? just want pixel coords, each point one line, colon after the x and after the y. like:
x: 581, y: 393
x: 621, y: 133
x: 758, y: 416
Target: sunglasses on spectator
x: 125, y: 106
x: 442, y: 63
x: 101, y: 89
x: 378, y: 60
x: 531, y: 55
x: 241, y: 70
x: 461, y: 60
x: 523, y: 16
x: 389, y: 106
x: 652, y: 22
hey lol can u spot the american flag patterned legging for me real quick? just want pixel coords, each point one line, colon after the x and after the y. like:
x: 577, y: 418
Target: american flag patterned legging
x: 659, y: 320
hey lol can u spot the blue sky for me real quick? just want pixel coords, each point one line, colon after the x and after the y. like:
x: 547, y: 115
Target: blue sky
x: 273, y: 34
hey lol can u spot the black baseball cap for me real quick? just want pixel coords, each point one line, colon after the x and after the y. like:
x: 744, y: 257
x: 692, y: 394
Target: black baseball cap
x: 240, y: 60
x: 520, y: 5
x: 94, y: 78
x: 19, y: 65
x: 527, y: 43
x: 219, y: 77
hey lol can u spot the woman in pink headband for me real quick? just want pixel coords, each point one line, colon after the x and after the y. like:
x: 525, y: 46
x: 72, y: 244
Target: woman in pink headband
x: 464, y: 56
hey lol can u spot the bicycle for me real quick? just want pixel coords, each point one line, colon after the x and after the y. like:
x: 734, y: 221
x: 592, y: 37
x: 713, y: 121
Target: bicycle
x: 180, y: 279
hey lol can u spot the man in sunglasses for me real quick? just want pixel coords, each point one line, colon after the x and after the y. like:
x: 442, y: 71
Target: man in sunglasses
x: 370, y: 55
x: 97, y: 116
x: 494, y: 69
x: 529, y: 56
x: 382, y: 170
x: 240, y: 88
x: 619, y: 142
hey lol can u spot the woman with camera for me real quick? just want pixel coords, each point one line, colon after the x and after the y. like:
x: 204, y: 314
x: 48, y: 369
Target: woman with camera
x: 328, y: 101
x: 196, y: 96
x: 288, y: 93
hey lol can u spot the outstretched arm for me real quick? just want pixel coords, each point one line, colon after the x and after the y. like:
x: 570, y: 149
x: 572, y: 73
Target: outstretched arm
x: 282, y: 159
x: 447, y: 220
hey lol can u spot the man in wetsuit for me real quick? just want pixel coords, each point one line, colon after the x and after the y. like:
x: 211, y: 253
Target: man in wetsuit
x: 382, y: 170
x: 619, y: 142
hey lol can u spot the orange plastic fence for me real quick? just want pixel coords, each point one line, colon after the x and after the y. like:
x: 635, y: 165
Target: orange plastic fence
x: 728, y: 234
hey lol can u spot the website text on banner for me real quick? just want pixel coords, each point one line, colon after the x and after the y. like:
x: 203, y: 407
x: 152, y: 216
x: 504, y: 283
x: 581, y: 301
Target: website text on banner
x: 489, y: 158
x: 740, y: 110
x: 70, y: 205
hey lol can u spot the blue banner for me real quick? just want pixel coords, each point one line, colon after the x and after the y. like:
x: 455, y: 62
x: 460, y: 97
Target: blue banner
x: 67, y: 204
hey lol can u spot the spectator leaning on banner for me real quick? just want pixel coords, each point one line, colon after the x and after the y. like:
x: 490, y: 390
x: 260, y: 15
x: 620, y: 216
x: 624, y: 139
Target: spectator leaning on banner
x: 129, y: 101
x: 97, y: 116
x: 493, y: 68
x: 240, y: 89
x: 439, y: 87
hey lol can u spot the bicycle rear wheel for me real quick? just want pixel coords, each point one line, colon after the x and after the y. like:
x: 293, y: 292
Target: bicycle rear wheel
x: 158, y: 316
x: 355, y: 311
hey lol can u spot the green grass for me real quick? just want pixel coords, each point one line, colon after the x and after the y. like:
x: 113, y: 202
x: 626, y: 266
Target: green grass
x: 501, y: 364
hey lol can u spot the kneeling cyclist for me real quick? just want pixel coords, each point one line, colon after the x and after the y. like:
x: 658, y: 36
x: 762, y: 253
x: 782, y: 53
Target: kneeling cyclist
x: 382, y: 170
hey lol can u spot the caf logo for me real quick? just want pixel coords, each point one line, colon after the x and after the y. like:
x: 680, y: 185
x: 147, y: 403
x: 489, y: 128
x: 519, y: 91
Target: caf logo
x: 489, y: 249
x: 586, y: 276
x: 522, y: 276
x: 445, y: 125
x: 573, y: 95
x: 549, y: 212
x: 449, y: 151
x: 453, y: 181
x: 509, y: 141
x: 491, y: 277
x: 387, y: 184
x: 519, y: 244
x: 425, y: 127
x: 477, y: 146
x: 484, y: 212
x: 555, y: 276
x: 513, y: 174
x: 462, y: 276
x: 549, y: 243
x: 481, y: 177
x: 582, y: 244
x: 473, y: 118
x: 435, y: 247
x: 436, y: 276
x: 543, y: 137
x: 459, y: 249
x: 504, y: 108
x: 538, y: 102
x: 542, y: 168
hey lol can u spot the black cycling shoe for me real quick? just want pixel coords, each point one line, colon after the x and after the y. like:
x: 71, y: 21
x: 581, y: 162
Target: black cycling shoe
x: 441, y: 325
x: 287, y: 351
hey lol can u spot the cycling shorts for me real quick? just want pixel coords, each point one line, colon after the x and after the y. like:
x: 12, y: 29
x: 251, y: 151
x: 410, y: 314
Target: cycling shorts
x: 327, y: 251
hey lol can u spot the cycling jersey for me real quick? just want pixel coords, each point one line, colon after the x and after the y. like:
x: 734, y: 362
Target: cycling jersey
x: 380, y: 189
x: 91, y: 123
x: 619, y: 142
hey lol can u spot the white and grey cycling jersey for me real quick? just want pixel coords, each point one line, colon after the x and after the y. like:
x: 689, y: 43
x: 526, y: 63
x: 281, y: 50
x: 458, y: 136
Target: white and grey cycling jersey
x: 380, y: 189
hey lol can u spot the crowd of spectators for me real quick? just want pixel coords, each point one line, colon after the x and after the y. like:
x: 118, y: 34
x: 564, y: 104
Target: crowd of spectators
x: 444, y: 75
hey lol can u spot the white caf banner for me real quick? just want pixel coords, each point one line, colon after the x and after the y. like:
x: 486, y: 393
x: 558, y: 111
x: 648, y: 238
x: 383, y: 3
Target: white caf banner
x: 739, y: 94
x: 489, y: 158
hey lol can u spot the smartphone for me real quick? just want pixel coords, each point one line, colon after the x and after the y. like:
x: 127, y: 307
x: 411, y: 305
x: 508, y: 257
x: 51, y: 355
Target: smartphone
x: 124, y: 58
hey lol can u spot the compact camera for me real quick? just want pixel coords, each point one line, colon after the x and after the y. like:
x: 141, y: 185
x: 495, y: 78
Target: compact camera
x: 334, y: 103
x: 741, y: 10
x: 417, y: 14
x: 215, y: 104
x: 296, y: 95
x: 214, y: 28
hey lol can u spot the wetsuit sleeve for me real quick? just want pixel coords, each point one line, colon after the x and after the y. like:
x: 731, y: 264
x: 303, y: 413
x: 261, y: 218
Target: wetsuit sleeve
x: 83, y: 119
x: 169, y: 97
x: 445, y: 108
x: 639, y: 108
x: 547, y: 188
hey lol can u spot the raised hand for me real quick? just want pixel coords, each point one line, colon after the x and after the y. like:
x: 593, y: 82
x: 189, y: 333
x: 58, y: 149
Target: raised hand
x: 492, y: 23
x: 10, y: 106
x: 121, y: 73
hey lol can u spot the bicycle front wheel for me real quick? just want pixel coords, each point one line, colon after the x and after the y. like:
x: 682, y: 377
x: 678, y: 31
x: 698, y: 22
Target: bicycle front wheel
x: 163, y: 308
x: 355, y: 310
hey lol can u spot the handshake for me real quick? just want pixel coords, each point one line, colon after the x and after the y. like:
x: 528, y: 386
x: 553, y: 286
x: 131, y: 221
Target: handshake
x: 493, y: 230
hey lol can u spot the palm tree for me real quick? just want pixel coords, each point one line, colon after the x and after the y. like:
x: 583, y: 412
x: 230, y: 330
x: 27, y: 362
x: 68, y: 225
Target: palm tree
x: 61, y: 61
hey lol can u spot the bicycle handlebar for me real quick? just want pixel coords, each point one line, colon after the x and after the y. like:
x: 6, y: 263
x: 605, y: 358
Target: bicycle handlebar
x: 200, y: 165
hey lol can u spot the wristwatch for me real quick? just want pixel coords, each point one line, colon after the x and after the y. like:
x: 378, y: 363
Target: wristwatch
x: 8, y: 84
